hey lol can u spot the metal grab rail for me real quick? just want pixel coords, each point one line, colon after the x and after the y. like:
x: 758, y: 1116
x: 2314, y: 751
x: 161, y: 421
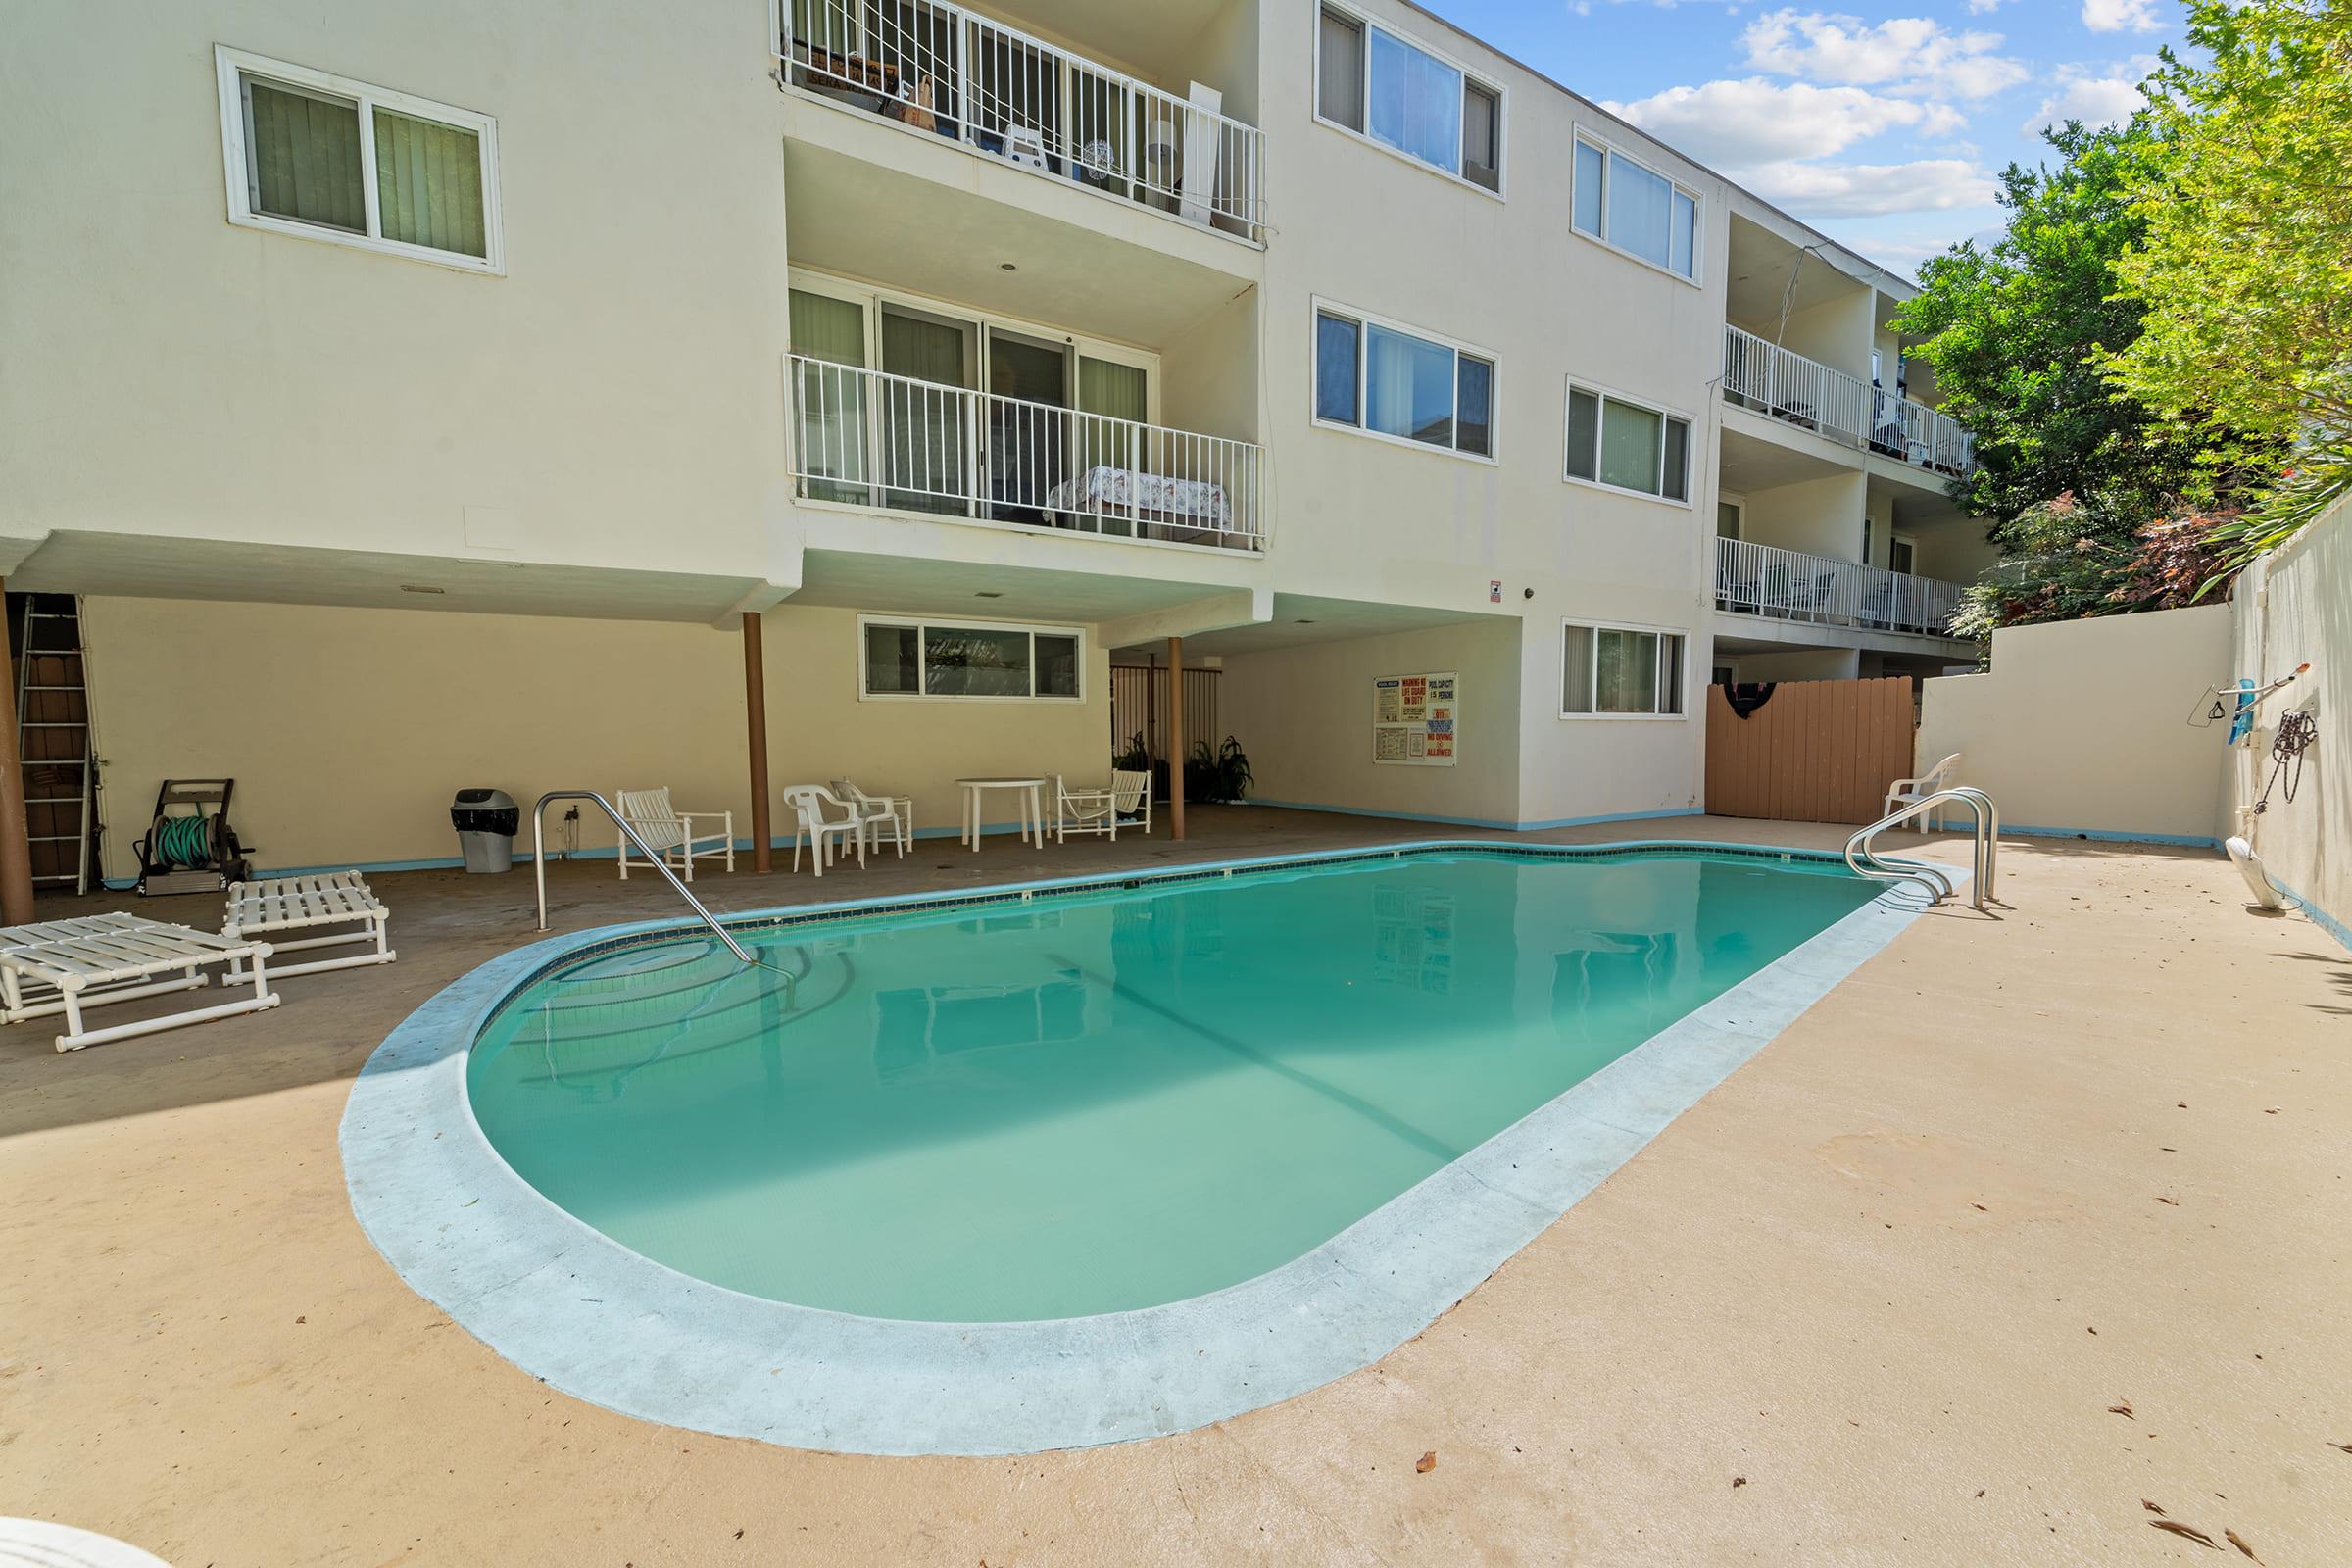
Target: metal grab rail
x: 1863, y: 861
x: 539, y: 863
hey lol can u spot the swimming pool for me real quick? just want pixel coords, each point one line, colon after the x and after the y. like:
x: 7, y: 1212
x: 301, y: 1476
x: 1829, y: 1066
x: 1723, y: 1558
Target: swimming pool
x: 1065, y: 1163
x: 1105, y: 1102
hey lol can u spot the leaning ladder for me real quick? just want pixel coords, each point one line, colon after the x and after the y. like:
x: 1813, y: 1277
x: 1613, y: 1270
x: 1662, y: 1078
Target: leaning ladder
x: 1863, y: 861
x: 59, y: 778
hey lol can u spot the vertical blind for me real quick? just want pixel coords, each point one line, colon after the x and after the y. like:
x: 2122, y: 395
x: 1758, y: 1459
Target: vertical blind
x: 303, y: 153
x: 429, y: 183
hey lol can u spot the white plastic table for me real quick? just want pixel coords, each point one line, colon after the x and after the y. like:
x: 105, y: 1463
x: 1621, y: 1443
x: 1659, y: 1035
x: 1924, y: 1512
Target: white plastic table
x: 1025, y: 798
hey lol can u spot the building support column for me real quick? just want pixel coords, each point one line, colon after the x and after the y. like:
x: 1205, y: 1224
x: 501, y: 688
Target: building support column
x: 15, y: 848
x: 1176, y: 737
x: 755, y: 706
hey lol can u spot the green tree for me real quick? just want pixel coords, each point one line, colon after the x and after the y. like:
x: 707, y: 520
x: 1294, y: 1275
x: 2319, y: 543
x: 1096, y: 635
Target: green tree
x: 2016, y: 332
x: 2241, y: 265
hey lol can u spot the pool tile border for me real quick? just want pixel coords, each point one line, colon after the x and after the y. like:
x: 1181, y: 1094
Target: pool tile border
x: 580, y: 1312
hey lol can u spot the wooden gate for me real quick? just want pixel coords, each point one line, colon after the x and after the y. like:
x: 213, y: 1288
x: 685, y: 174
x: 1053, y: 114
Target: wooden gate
x: 1818, y: 750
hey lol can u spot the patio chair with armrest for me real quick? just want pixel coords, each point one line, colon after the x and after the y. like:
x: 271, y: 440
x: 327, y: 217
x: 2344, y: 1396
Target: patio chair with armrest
x: 827, y: 821
x: 878, y: 811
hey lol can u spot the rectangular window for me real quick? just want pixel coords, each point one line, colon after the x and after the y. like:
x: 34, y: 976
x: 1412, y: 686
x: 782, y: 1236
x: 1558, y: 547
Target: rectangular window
x: 1393, y: 382
x: 321, y: 156
x: 1620, y: 672
x: 1378, y: 83
x: 936, y: 659
x: 1634, y: 208
x: 1628, y: 446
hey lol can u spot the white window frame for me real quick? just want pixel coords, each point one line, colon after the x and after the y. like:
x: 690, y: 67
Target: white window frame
x: 1318, y: 307
x: 1576, y: 384
x: 1502, y: 100
x: 233, y: 64
x: 1570, y: 623
x: 921, y: 625
x: 1698, y: 211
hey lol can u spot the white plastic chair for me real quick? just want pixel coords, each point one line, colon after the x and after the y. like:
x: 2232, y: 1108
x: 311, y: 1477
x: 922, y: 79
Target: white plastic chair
x: 812, y: 807
x: 1100, y: 811
x: 1905, y: 791
x: 672, y: 833
x: 878, y: 811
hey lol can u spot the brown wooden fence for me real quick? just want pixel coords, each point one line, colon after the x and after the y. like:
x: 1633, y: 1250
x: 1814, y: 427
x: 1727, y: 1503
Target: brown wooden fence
x: 1819, y: 751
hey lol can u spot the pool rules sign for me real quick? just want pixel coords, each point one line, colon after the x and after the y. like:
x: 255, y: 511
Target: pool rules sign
x: 1414, y: 719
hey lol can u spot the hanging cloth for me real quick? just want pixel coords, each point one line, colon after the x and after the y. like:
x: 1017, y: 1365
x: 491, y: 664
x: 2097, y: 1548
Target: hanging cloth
x: 1750, y: 695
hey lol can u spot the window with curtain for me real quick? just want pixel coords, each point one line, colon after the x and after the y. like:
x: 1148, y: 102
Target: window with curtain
x: 936, y: 659
x: 1385, y: 379
x: 926, y: 366
x: 1380, y: 84
x: 1627, y: 445
x: 1120, y: 393
x: 304, y: 143
x: 1635, y: 208
x: 828, y: 347
x: 1620, y: 672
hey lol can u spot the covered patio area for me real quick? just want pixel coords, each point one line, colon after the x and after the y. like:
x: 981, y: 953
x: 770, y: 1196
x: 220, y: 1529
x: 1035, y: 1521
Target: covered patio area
x: 2030, y: 1219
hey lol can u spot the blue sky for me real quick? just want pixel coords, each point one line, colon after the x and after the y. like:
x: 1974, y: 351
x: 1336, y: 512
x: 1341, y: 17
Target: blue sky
x: 1882, y: 125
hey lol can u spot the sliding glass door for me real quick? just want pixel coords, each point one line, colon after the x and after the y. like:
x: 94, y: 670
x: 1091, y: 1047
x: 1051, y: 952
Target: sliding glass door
x: 927, y: 457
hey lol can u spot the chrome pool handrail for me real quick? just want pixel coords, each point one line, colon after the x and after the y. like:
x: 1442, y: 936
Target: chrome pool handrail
x: 539, y: 863
x: 1985, y: 848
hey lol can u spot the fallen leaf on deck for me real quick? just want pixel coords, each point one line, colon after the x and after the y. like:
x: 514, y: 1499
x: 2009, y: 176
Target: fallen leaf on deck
x: 2151, y: 1507
x: 2346, y: 1446
x: 2175, y: 1202
x: 2240, y: 1541
x: 1738, y: 1482
x: 2124, y: 1408
x: 1426, y: 1463
x: 2190, y: 1531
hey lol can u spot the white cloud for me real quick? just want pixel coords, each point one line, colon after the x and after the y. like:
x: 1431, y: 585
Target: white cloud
x: 1853, y: 190
x: 2097, y: 95
x: 1735, y: 124
x: 2122, y: 16
x: 1910, y: 55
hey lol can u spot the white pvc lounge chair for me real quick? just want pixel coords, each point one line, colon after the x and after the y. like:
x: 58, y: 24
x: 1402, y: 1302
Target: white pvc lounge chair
x: 825, y: 820
x: 671, y: 834
x: 64, y: 965
x: 1100, y: 811
x: 1904, y: 791
x: 305, y: 904
x: 878, y: 811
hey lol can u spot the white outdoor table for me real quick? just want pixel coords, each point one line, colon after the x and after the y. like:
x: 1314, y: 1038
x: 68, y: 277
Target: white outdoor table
x: 1025, y: 800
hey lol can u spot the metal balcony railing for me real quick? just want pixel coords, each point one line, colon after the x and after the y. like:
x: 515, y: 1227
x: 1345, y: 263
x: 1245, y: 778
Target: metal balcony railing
x: 1002, y: 93
x: 865, y: 438
x: 1753, y: 579
x: 1845, y: 409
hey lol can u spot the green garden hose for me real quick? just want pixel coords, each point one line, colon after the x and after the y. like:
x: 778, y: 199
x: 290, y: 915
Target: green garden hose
x: 185, y: 841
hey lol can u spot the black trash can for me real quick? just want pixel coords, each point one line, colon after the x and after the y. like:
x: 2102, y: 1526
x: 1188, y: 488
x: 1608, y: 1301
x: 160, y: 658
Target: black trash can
x: 486, y: 821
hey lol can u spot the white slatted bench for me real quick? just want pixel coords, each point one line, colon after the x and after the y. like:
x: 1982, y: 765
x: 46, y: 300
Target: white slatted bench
x: 301, y: 902
x: 64, y: 965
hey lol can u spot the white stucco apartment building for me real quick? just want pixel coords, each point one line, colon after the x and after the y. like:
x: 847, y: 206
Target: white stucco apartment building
x: 421, y: 396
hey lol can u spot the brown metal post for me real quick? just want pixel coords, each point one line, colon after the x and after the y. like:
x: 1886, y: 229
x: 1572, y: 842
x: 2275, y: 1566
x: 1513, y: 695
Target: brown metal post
x: 15, y: 848
x: 755, y: 703
x: 1176, y: 737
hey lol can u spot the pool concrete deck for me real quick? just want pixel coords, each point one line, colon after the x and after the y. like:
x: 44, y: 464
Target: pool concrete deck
x: 2030, y: 1220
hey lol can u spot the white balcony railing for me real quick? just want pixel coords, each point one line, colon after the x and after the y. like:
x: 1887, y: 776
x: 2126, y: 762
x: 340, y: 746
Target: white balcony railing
x: 1002, y: 93
x: 865, y: 438
x: 1845, y: 409
x: 1753, y: 579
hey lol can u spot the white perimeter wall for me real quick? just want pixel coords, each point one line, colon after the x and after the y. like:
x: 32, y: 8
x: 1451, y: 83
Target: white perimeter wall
x: 2082, y: 725
x: 2293, y: 608
x: 348, y: 730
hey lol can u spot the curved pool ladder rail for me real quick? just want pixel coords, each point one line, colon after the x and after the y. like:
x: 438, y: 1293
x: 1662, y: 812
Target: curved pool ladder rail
x: 539, y: 863
x: 1863, y: 861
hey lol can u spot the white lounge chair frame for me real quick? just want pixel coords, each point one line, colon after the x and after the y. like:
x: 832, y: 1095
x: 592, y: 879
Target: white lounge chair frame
x: 305, y: 903
x: 893, y: 811
x: 1905, y: 791
x: 808, y: 802
x: 671, y: 834
x: 1098, y: 811
x: 61, y: 966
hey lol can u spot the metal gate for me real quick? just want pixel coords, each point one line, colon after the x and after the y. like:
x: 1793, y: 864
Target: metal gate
x: 1139, y: 706
x: 1818, y: 750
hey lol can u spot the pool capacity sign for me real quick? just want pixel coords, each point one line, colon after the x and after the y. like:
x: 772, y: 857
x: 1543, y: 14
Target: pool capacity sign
x: 1413, y: 719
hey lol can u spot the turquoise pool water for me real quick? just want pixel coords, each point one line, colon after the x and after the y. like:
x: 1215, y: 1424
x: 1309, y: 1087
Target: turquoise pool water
x: 1103, y: 1101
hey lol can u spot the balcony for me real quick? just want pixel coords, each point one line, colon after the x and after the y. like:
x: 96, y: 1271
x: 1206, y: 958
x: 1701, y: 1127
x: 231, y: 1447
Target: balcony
x: 865, y: 438
x: 1002, y: 94
x: 1843, y: 408
x: 1753, y: 579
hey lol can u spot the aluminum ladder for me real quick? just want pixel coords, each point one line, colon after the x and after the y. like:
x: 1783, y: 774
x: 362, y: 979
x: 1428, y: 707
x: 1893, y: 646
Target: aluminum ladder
x: 1863, y: 861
